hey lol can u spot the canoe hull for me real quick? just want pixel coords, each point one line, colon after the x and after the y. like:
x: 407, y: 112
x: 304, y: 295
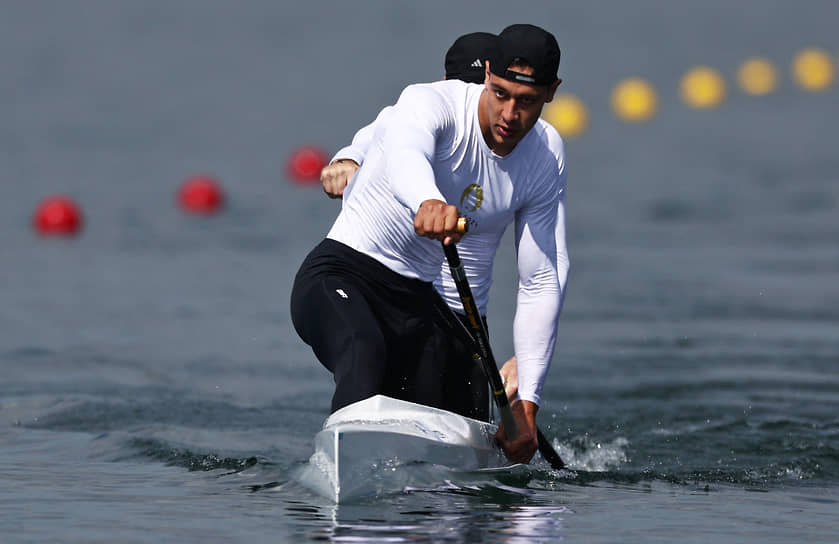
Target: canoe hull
x: 368, y: 448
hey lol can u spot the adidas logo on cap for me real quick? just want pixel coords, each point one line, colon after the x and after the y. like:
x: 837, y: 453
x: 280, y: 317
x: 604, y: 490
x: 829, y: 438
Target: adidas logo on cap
x: 477, y: 64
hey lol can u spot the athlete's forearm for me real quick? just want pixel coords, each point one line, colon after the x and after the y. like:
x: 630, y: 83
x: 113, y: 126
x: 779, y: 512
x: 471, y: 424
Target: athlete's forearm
x: 534, y: 338
x: 539, y: 297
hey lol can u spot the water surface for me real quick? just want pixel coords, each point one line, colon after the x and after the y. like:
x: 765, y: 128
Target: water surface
x: 153, y: 388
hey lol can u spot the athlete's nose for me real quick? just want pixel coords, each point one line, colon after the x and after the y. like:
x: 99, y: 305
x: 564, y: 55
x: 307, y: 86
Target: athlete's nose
x: 509, y: 113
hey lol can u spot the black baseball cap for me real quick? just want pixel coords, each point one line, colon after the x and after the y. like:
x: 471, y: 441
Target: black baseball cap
x: 466, y: 57
x: 532, y: 44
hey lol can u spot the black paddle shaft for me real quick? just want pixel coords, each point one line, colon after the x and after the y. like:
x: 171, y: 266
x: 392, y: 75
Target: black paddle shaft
x: 479, y: 340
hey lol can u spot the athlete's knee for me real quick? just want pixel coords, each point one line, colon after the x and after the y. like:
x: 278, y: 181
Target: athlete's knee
x: 301, y: 309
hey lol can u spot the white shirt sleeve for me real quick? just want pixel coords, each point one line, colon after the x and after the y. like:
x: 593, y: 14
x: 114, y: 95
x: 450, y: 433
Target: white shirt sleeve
x: 563, y: 261
x: 418, y: 119
x: 540, y: 240
x: 362, y: 140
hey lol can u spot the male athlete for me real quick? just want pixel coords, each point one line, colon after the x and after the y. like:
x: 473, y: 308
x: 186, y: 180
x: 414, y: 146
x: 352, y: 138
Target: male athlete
x: 362, y: 298
x: 463, y: 380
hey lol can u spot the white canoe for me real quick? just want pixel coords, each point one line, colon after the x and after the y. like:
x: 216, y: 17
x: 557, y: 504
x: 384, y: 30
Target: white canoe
x: 365, y: 449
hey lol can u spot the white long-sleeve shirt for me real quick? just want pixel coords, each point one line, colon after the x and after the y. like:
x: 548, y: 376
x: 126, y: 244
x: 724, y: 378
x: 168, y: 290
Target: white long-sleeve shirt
x: 429, y: 145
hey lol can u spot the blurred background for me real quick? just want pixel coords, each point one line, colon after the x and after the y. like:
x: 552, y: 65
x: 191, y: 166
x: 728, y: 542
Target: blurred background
x: 115, y: 104
x: 702, y: 227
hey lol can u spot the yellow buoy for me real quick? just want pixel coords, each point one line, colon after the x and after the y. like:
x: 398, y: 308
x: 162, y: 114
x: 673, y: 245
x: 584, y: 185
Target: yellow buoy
x: 567, y: 114
x: 813, y: 70
x: 634, y: 99
x: 757, y: 76
x: 703, y: 87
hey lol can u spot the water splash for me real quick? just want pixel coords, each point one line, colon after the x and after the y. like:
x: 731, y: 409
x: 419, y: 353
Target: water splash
x: 590, y: 455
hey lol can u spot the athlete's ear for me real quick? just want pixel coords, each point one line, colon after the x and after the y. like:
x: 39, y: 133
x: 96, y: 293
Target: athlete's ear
x: 552, y: 89
x: 486, y: 72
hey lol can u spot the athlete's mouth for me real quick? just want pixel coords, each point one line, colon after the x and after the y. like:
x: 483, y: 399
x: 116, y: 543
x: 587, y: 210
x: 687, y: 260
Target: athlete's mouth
x: 506, y: 132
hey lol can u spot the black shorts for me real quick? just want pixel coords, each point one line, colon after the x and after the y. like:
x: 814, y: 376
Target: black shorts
x: 374, y: 330
x: 465, y: 385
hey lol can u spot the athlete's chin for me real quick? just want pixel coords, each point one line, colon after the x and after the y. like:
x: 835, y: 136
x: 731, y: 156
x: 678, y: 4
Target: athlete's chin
x: 507, y: 139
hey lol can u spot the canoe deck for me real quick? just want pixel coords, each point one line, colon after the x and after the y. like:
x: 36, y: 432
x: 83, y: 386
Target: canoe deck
x: 363, y: 449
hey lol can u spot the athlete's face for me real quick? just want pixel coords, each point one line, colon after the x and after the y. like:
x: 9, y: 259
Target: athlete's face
x: 509, y: 109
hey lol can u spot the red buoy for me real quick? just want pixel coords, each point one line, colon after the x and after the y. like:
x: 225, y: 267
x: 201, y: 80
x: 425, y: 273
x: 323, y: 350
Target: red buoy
x: 57, y: 216
x: 305, y: 164
x: 201, y: 195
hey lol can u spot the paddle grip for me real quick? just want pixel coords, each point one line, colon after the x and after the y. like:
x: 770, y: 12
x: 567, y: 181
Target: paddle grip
x: 462, y: 225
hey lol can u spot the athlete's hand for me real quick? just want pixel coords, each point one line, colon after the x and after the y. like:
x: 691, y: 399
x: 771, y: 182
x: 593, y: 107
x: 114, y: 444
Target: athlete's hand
x: 336, y: 176
x: 438, y: 221
x: 522, y: 449
x: 510, y: 377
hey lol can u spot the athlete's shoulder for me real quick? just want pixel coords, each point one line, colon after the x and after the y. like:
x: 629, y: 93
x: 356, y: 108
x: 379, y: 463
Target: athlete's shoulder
x: 551, y: 137
x: 447, y: 105
x: 542, y: 144
x: 446, y: 90
x: 545, y: 154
